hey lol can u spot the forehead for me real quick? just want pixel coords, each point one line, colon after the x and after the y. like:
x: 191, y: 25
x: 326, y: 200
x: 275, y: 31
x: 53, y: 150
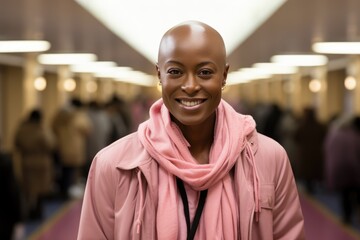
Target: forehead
x: 195, y: 41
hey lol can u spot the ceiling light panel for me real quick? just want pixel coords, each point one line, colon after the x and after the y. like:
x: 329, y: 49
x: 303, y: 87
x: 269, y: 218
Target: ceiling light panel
x: 142, y: 23
x: 246, y: 75
x: 337, y: 47
x: 23, y: 46
x: 92, y: 67
x: 300, y: 60
x: 275, y: 68
x: 66, y: 58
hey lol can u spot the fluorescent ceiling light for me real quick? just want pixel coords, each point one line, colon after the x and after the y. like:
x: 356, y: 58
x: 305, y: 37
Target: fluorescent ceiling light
x: 337, y: 47
x: 234, y: 78
x: 275, y: 68
x: 92, y: 67
x: 300, y: 60
x: 141, y: 23
x: 113, y: 72
x: 66, y: 58
x: 128, y: 75
x: 260, y: 71
x: 144, y: 81
x: 24, y: 46
x: 246, y: 75
x: 137, y: 77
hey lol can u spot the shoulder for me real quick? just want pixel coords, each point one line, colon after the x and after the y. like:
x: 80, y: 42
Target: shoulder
x: 270, y: 156
x: 262, y: 144
x: 268, y: 145
x: 125, y: 153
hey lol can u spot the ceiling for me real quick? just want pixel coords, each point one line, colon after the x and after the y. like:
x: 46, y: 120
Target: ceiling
x: 70, y: 28
x: 142, y: 23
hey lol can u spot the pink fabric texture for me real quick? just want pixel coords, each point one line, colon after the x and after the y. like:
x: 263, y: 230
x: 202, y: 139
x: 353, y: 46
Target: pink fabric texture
x: 165, y: 143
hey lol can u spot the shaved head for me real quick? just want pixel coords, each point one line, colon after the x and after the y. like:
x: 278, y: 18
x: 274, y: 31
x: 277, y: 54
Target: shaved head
x: 194, y: 33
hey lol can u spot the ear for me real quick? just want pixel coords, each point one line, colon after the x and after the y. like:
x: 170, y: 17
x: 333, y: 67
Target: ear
x: 226, y: 70
x: 158, y: 71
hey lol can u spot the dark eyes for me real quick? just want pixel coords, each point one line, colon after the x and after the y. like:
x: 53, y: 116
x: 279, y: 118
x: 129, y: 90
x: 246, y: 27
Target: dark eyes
x: 200, y: 73
x: 205, y: 72
x: 174, y: 71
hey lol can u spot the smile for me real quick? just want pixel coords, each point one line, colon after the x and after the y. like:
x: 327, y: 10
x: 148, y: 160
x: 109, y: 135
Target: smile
x: 191, y: 103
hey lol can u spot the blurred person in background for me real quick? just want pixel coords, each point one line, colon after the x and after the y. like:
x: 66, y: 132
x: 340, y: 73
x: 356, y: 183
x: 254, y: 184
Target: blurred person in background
x: 309, y: 138
x: 288, y: 125
x: 119, y: 119
x: 98, y: 138
x: 272, y: 122
x: 12, y: 215
x: 72, y: 127
x: 35, y: 143
x: 342, y: 155
x: 139, y: 110
x: 260, y: 113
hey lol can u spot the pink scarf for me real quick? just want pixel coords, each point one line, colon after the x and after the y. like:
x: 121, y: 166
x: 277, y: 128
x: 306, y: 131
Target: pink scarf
x: 165, y: 143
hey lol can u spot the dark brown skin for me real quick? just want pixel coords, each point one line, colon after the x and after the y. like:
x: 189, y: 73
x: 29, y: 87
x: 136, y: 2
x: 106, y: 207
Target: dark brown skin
x: 192, y: 70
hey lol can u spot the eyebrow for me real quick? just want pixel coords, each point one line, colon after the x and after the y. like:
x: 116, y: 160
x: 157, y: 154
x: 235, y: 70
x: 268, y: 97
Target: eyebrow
x: 198, y: 65
x: 173, y: 62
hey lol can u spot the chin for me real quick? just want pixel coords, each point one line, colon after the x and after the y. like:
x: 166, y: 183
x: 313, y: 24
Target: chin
x: 191, y: 121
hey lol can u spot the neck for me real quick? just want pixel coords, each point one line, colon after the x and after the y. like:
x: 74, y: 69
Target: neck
x: 200, y: 138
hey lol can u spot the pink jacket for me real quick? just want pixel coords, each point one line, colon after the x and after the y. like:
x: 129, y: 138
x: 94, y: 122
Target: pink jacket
x: 120, y: 199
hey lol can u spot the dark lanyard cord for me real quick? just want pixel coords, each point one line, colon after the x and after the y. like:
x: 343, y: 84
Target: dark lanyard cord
x: 191, y: 230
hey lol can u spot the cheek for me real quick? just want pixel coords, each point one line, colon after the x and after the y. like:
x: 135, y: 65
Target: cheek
x: 166, y: 88
x: 215, y: 89
x: 170, y: 85
x: 167, y: 91
x: 216, y: 94
x: 217, y: 97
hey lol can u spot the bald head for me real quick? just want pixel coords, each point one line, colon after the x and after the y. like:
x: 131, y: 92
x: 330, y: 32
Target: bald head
x: 195, y: 34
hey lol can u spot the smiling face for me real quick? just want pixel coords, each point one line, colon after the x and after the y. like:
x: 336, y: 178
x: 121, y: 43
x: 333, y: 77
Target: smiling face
x: 192, y: 69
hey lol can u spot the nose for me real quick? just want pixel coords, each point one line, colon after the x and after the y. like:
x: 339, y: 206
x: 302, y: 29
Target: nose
x: 190, y: 84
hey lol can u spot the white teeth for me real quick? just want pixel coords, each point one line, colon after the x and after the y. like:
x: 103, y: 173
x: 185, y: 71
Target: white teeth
x: 190, y: 103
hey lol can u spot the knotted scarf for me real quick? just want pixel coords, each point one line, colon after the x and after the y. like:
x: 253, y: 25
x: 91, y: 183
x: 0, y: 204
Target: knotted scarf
x: 166, y: 144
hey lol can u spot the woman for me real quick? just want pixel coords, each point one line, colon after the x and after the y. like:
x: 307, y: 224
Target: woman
x: 196, y: 169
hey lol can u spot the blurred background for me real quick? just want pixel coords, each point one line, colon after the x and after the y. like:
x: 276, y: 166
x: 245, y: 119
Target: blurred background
x: 76, y: 75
